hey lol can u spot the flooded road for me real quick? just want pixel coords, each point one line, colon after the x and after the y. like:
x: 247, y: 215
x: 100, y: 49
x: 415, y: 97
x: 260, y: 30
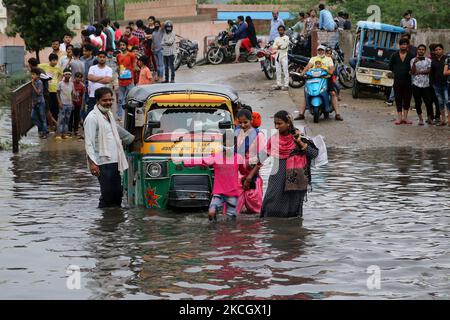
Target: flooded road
x: 376, y: 225
x: 388, y: 208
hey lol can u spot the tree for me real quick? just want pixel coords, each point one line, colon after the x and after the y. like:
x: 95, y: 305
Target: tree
x: 37, y: 22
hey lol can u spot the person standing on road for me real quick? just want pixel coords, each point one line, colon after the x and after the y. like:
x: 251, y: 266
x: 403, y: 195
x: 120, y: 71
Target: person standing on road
x: 291, y: 173
x: 65, y: 97
x: 447, y: 74
x: 157, y: 50
x: 55, y: 72
x: 168, y: 45
x: 38, y: 103
x: 103, y: 144
x: 420, y: 74
x: 126, y: 66
x: 275, y: 23
x: 439, y: 81
x: 281, y: 45
x: 100, y: 75
x: 400, y: 65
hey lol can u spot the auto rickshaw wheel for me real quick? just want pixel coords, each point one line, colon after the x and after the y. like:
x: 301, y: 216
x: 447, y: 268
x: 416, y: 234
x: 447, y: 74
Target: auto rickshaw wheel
x: 355, y: 89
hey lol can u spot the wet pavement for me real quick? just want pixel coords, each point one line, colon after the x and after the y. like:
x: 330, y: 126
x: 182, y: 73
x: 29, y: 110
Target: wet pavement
x: 385, y: 209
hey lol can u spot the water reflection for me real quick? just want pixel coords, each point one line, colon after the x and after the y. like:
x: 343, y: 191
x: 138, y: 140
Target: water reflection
x: 384, y: 207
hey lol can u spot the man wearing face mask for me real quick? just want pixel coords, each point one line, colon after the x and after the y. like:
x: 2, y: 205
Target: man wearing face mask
x: 157, y: 49
x: 168, y: 46
x: 103, y: 143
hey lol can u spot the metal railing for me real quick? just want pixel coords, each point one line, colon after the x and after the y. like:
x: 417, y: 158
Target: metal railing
x: 20, y: 113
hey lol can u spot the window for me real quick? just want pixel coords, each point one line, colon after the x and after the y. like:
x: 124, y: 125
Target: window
x: 190, y: 120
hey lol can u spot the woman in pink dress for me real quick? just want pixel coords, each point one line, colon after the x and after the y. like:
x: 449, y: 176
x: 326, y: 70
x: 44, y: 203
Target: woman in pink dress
x: 250, y: 143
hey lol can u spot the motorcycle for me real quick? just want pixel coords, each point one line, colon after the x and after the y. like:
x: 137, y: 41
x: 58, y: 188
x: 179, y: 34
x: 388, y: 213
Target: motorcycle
x: 224, y: 48
x: 186, y: 53
x: 345, y: 73
x: 266, y: 57
x: 316, y: 93
x: 298, y: 58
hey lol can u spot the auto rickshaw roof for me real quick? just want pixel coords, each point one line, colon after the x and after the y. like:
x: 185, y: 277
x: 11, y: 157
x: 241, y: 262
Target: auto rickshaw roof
x: 142, y: 93
x: 379, y: 26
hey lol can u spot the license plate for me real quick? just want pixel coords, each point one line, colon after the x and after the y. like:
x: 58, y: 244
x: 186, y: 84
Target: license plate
x: 261, y: 59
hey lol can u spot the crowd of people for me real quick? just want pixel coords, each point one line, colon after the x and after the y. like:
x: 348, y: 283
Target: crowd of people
x: 426, y: 77
x: 64, y: 88
x: 83, y: 81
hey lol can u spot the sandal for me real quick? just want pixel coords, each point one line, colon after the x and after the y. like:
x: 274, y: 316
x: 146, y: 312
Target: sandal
x: 397, y: 122
x: 407, y: 122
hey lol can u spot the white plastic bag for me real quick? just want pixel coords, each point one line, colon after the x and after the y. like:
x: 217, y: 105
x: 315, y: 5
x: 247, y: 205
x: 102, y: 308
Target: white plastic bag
x: 322, y: 158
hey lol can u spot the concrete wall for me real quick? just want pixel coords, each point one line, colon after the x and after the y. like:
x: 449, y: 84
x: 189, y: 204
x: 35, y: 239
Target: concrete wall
x: 248, y: 7
x: 160, y: 9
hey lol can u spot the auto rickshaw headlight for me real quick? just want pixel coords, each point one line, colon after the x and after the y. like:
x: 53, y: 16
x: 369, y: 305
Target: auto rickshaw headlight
x: 154, y: 170
x: 360, y: 70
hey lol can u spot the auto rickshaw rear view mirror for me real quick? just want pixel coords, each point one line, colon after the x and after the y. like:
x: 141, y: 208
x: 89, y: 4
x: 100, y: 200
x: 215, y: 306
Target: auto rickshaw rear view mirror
x: 154, y: 124
x: 224, y: 124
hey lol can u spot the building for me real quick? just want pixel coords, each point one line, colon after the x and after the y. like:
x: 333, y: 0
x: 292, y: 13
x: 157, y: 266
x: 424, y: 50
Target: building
x: 3, y: 18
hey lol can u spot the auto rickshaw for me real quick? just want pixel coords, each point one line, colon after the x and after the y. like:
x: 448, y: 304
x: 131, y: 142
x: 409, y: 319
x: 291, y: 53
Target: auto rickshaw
x: 374, y: 45
x: 173, y: 121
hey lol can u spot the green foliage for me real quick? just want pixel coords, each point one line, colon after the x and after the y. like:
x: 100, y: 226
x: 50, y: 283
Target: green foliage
x: 10, y: 83
x: 111, y: 12
x: 37, y: 22
x: 429, y: 13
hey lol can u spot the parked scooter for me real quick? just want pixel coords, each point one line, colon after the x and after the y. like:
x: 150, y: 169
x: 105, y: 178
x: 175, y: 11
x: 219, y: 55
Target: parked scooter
x: 266, y: 57
x: 186, y: 53
x: 224, y: 49
x: 318, y: 100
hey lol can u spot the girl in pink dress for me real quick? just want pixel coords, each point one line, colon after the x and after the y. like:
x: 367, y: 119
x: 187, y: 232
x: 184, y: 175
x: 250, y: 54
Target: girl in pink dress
x: 250, y: 144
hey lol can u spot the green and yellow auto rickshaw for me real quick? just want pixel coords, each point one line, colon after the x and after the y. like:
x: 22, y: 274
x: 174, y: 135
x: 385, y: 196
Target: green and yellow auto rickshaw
x: 170, y: 121
x: 374, y: 45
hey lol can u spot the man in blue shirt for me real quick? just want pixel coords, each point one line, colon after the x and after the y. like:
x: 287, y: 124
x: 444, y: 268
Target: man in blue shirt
x: 239, y: 35
x: 326, y: 21
x: 274, y: 24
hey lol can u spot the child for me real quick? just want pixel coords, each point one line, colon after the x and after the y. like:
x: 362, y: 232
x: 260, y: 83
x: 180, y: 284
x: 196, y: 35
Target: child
x: 55, y: 72
x: 65, y: 96
x: 137, y: 54
x: 250, y: 143
x: 77, y: 102
x: 145, y: 76
x: 290, y: 176
x: 38, y: 103
x: 225, y: 190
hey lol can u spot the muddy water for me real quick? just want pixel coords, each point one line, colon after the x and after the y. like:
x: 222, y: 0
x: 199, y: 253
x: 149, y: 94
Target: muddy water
x: 380, y: 208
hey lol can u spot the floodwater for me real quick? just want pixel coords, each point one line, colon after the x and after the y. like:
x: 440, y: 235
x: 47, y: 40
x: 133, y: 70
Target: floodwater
x: 376, y: 225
